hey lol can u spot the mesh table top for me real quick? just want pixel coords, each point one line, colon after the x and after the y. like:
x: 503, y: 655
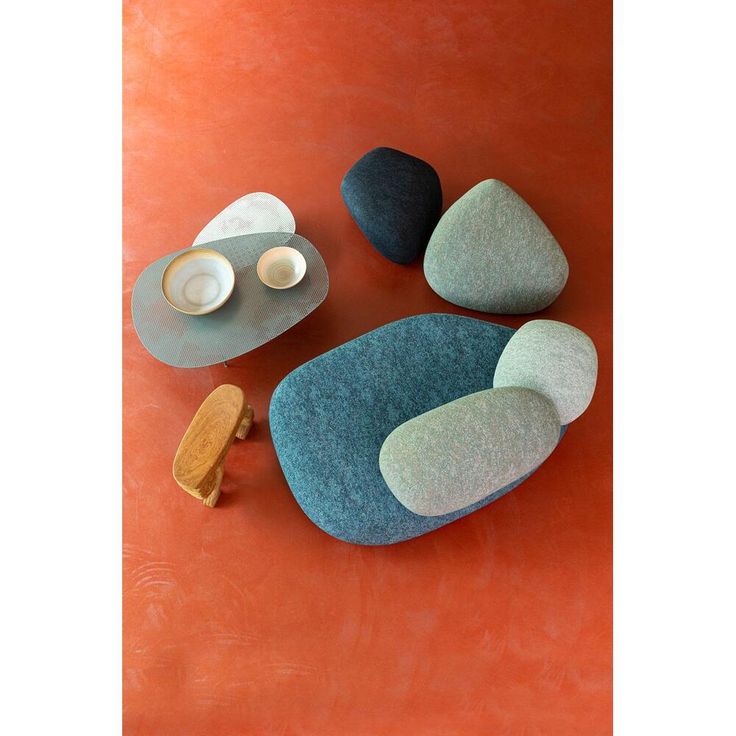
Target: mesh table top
x: 252, y: 316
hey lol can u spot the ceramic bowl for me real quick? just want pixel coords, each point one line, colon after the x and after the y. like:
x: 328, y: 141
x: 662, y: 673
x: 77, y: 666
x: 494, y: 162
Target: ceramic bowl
x: 281, y: 268
x: 198, y: 281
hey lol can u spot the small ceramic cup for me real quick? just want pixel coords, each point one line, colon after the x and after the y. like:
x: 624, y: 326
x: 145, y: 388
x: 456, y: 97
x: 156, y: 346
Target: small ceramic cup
x: 198, y: 281
x: 281, y: 268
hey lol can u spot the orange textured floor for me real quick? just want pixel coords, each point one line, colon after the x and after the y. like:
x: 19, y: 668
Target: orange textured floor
x: 247, y: 619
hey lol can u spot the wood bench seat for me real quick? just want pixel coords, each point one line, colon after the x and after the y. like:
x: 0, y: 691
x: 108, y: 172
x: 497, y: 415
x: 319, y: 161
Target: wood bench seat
x: 199, y: 461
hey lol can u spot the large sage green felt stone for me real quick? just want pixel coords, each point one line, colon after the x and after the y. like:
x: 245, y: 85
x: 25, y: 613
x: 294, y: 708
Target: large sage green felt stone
x: 554, y: 358
x: 460, y: 452
x: 491, y: 252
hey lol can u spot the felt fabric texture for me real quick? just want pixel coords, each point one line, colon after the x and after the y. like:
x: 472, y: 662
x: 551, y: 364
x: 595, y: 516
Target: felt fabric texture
x: 491, y: 252
x: 395, y: 199
x: 554, y: 358
x: 330, y: 417
x: 461, y: 452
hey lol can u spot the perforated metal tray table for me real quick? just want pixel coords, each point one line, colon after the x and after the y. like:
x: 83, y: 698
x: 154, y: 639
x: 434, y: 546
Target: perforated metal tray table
x: 252, y: 316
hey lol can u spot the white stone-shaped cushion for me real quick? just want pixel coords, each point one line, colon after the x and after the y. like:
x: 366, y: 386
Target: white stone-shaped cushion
x: 554, y: 358
x: 463, y: 451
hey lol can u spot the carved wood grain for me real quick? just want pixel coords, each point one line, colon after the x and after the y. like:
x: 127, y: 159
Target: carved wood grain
x: 199, y: 462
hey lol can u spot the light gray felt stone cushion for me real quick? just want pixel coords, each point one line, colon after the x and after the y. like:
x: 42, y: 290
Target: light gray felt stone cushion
x: 554, y: 358
x: 491, y: 252
x: 461, y: 452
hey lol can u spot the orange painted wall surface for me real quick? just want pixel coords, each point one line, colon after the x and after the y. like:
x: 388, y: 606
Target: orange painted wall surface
x: 247, y: 619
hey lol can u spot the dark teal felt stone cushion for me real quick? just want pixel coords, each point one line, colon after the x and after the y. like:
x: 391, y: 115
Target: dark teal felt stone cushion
x: 330, y: 416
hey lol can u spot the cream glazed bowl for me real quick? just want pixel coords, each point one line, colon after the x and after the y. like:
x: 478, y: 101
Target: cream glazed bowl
x: 281, y: 267
x: 198, y: 281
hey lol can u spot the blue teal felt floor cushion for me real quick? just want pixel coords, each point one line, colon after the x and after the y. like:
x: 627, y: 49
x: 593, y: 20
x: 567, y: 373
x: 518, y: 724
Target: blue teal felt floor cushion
x: 330, y: 417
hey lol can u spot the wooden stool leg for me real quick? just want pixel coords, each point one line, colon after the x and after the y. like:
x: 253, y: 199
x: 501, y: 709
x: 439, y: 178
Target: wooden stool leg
x: 212, y: 497
x: 246, y: 424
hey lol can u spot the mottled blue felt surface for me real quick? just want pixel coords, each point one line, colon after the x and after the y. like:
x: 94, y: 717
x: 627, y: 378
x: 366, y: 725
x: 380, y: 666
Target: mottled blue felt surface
x: 395, y: 199
x: 330, y: 416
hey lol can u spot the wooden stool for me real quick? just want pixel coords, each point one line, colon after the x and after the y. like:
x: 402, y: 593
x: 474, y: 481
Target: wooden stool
x: 199, y: 461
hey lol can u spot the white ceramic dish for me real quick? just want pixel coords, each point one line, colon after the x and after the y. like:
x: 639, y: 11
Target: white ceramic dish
x: 258, y: 212
x: 281, y: 268
x: 198, y: 281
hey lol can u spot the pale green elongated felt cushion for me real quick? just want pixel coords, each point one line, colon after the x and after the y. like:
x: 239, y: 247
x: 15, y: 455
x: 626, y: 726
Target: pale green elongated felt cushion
x: 554, y: 358
x: 460, y: 452
x: 491, y: 252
